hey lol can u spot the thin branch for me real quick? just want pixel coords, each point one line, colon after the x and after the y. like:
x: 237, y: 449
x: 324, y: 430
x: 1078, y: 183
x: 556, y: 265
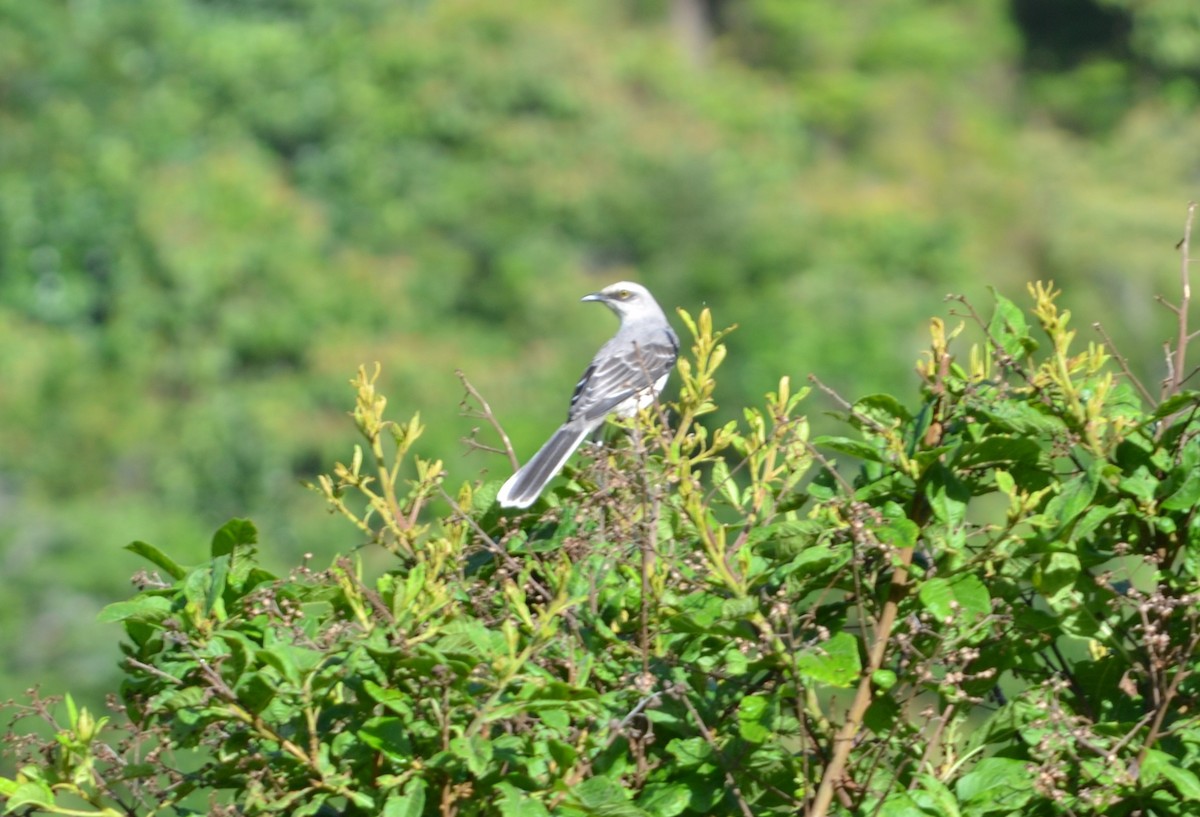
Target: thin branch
x: 933, y: 741
x: 1176, y: 358
x: 1124, y: 364
x: 712, y: 743
x: 1169, y: 361
x: 1168, y: 695
x: 633, y: 713
x: 1185, y: 299
x: 133, y: 662
x: 843, y: 742
x: 487, y: 414
x: 1164, y: 302
x: 1003, y: 357
x: 828, y: 466
x: 495, y: 548
x: 855, y: 413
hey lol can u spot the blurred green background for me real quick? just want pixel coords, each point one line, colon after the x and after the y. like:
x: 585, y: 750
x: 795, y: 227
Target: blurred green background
x: 211, y: 212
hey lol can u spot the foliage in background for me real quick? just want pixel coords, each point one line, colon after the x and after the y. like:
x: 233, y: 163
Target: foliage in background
x: 995, y: 611
x: 209, y: 211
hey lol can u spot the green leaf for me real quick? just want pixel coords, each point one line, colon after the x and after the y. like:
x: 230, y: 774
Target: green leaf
x: 883, y: 408
x: 885, y: 679
x: 564, y: 754
x: 754, y: 716
x: 484, y: 497
x: 735, y: 609
x: 1074, y: 497
x: 1185, y: 781
x: 197, y: 589
x: 725, y: 484
x: 1176, y: 403
x: 898, y: 804
x: 361, y: 799
x: 882, y: 714
x: 141, y: 608
x: 604, y: 797
x: 1187, y: 495
x: 952, y: 598
x: 1057, y: 571
x: 995, y: 784
x: 292, y: 662
x: 472, y: 638
x: 665, y: 799
x: 280, y: 660
x: 1091, y: 520
x: 1141, y: 484
x: 514, y: 802
x: 855, y: 448
x: 1009, y: 328
x: 834, y: 662
x: 932, y: 797
x: 409, y: 803
x: 389, y: 735
x: 158, y: 558
x: 948, y: 496
x: 476, y: 751
x: 815, y: 561
x: 214, y: 600
x: 999, y: 449
x: 255, y: 692
x: 899, y: 533
x: 806, y: 531
x: 1020, y: 418
x: 233, y: 534
x: 32, y: 793
x: 313, y: 805
x: 691, y: 752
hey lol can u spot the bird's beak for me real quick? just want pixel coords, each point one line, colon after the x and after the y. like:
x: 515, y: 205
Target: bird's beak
x: 595, y: 296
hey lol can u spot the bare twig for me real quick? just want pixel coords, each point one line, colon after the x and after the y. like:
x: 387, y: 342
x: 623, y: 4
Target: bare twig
x: 1003, y: 357
x: 1176, y: 358
x: 487, y: 414
x: 495, y: 548
x: 1124, y: 364
x: 1185, y: 298
x: 933, y: 740
x: 841, y: 401
x: 633, y: 713
x: 171, y: 679
x: 1165, y: 699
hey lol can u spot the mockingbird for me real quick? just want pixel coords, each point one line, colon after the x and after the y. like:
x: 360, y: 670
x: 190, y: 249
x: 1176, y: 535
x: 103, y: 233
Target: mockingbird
x: 625, y: 375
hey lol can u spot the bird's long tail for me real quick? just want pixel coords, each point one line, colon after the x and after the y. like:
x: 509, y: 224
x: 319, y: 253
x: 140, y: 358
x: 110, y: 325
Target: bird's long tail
x: 526, y: 485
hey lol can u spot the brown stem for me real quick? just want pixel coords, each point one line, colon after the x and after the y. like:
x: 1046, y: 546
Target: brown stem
x: 1167, y: 698
x: 1124, y: 364
x: 933, y: 741
x: 843, y: 742
x: 1185, y: 299
x: 495, y: 548
x: 848, y: 407
x: 488, y: 415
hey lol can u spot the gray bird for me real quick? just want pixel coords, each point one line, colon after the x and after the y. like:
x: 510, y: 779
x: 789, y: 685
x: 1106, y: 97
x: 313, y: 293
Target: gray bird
x: 626, y: 375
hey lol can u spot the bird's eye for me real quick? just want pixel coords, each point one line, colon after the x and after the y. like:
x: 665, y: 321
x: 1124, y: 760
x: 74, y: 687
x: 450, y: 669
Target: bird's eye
x: 623, y: 295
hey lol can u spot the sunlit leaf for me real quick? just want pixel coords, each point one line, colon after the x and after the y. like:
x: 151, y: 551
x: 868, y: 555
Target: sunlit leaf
x: 834, y: 662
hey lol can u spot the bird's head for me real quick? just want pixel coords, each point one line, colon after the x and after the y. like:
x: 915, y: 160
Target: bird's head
x: 624, y: 298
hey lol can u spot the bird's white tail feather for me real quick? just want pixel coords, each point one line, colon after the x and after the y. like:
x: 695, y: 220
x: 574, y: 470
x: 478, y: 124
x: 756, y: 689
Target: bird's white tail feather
x: 525, y: 486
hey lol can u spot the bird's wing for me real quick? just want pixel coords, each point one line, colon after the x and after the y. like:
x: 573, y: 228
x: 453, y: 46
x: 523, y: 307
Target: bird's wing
x: 622, y: 369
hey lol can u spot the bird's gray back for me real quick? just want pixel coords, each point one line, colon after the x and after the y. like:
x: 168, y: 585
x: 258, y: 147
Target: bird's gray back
x: 634, y: 360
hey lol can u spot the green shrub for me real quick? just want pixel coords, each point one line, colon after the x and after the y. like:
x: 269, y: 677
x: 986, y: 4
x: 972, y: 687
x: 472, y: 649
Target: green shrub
x: 988, y: 604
